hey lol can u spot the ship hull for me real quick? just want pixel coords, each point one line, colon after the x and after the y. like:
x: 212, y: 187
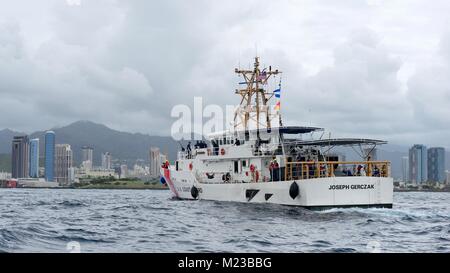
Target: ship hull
x: 318, y: 193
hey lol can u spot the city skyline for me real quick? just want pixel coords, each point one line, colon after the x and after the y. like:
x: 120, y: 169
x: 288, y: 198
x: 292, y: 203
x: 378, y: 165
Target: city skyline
x: 84, y: 130
x: 59, y: 166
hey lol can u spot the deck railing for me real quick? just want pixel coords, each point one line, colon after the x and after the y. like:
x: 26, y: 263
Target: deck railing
x: 308, y: 170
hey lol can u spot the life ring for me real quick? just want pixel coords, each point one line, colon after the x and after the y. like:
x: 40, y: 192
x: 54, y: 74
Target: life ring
x: 222, y: 151
x: 191, y: 166
x: 163, y: 180
x: 252, y: 168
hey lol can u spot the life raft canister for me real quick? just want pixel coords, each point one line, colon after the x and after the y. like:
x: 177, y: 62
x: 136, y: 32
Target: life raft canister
x: 222, y: 151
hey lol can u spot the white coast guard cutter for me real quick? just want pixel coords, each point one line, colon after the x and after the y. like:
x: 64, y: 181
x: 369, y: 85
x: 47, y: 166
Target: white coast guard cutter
x: 261, y: 163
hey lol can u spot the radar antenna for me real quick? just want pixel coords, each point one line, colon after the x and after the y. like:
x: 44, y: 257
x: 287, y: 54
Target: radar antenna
x: 254, y: 98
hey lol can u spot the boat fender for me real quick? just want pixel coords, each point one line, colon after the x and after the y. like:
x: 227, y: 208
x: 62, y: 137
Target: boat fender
x: 294, y: 191
x: 162, y: 180
x: 194, y: 192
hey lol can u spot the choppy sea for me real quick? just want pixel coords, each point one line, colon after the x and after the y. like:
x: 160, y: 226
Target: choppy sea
x: 58, y: 220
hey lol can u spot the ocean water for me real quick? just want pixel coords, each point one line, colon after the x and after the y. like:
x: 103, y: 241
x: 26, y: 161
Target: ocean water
x: 149, y: 221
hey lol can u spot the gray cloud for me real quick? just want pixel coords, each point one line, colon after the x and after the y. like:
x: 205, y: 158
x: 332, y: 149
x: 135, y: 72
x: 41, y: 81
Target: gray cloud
x: 367, y: 68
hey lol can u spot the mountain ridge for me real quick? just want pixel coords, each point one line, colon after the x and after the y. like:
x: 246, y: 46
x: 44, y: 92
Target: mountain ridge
x: 125, y: 146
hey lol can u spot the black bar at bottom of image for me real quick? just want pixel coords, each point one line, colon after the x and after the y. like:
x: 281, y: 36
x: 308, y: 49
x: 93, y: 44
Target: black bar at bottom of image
x: 220, y: 262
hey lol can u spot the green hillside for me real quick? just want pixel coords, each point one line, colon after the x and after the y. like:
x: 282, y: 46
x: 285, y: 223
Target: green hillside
x: 5, y: 163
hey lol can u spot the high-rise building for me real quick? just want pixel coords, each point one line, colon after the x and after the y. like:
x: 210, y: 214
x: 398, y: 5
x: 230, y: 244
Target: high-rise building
x: 34, y: 158
x: 123, y: 171
x: 405, y: 169
x: 155, y: 161
x: 50, y: 156
x: 162, y: 158
x: 436, y: 164
x: 63, y: 163
x: 87, y: 157
x: 106, y: 161
x: 418, y: 164
x: 20, y: 157
x: 5, y: 175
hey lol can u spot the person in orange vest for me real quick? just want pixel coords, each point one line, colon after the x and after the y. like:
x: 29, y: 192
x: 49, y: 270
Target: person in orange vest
x: 271, y: 166
x: 166, y: 164
x: 275, y: 168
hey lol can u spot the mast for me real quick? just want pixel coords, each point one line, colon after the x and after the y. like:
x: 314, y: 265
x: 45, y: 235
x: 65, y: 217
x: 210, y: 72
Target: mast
x: 254, y: 98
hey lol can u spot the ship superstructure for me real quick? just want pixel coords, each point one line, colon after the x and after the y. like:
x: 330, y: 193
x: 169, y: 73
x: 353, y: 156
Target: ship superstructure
x: 261, y: 160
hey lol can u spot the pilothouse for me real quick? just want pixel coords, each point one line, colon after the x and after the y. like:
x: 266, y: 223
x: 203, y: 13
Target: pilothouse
x: 259, y: 160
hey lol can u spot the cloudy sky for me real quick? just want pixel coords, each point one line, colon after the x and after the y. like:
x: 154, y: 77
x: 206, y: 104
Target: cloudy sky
x: 372, y: 68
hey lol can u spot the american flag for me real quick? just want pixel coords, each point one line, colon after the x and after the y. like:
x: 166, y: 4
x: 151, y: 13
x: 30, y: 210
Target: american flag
x: 261, y: 76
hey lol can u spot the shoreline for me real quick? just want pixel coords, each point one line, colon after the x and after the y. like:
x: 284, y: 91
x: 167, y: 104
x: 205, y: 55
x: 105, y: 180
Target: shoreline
x: 91, y: 188
x: 416, y: 190
x: 118, y: 188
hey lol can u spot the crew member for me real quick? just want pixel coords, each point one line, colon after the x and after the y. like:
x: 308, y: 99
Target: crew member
x: 188, y: 149
x: 275, y: 170
x: 271, y: 170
